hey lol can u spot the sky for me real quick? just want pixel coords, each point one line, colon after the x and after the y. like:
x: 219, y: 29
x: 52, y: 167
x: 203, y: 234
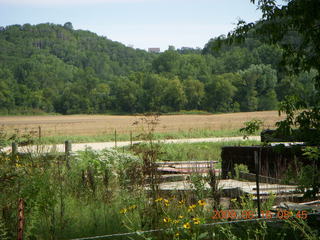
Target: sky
x: 141, y: 23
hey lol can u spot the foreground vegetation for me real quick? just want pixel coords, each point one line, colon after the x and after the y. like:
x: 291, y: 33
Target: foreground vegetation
x: 97, y: 193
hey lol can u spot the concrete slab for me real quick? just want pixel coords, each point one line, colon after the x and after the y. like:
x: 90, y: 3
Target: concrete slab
x: 235, y: 185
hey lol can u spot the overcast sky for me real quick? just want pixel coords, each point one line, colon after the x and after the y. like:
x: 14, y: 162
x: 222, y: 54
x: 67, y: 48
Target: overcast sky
x: 141, y: 23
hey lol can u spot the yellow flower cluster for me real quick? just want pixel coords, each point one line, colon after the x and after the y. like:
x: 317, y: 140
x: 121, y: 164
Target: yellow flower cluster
x: 192, y: 207
x: 168, y: 220
x: 125, y: 210
x: 166, y: 202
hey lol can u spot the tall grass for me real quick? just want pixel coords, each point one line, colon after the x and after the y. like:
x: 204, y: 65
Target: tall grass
x: 195, y: 133
x: 65, y: 202
x: 198, y: 151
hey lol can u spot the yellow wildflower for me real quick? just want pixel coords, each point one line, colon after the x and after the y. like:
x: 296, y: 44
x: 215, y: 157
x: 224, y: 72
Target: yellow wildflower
x: 123, y: 210
x: 176, y: 221
x: 180, y: 216
x: 191, y: 207
x: 167, y: 220
x: 177, y: 234
x: 182, y: 202
x: 133, y: 207
x: 196, y: 220
x: 186, y: 225
x: 201, y: 203
x: 159, y: 199
x: 166, y: 202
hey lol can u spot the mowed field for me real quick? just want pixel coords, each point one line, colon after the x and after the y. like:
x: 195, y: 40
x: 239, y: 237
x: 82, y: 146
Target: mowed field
x: 91, y: 125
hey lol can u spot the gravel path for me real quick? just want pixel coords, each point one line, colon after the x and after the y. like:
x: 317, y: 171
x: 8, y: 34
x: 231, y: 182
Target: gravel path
x: 103, y: 145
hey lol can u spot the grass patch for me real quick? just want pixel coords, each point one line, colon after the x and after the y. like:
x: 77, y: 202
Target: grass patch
x: 198, y: 151
x: 199, y: 133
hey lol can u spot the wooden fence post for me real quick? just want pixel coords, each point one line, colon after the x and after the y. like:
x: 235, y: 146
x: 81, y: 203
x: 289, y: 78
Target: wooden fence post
x: 14, y: 148
x: 257, y: 166
x: 67, y: 150
x: 67, y: 147
x: 115, y: 138
x: 131, y: 138
x: 20, y: 219
x: 39, y: 132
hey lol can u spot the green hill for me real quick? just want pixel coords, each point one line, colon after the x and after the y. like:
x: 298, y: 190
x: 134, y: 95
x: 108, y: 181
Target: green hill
x: 55, y: 69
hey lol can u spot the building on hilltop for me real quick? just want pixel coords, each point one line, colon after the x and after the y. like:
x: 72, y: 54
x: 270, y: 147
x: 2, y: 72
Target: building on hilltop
x: 153, y: 50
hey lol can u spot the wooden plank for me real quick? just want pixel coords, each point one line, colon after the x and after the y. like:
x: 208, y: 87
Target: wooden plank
x: 316, y: 202
x: 190, y: 166
x: 184, y: 170
x: 186, y: 162
x: 277, y: 188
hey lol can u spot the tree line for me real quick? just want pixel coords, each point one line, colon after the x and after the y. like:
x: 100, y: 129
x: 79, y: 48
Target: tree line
x: 56, y: 69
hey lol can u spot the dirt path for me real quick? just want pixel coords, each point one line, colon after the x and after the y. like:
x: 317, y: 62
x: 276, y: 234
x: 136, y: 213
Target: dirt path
x: 103, y: 145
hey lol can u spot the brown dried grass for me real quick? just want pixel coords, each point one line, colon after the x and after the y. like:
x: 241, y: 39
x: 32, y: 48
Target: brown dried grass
x: 90, y: 125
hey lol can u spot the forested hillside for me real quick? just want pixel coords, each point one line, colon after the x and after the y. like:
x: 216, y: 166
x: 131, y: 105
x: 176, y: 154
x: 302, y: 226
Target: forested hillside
x: 53, y: 68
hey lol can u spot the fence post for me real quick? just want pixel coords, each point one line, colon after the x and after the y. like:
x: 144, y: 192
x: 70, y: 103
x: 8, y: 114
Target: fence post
x: 131, y: 138
x: 67, y: 150
x: 14, y: 148
x: 115, y: 138
x: 39, y: 132
x: 257, y: 166
x: 20, y: 219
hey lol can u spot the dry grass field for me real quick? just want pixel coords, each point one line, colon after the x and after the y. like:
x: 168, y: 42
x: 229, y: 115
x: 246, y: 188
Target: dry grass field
x: 90, y: 125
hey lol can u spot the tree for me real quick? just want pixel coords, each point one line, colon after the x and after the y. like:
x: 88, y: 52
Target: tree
x: 301, y: 85
x: 153, y: 86
x: 168, y: 62
x: 220, y: 93
x: 68, y: 25
x: 194, y: 91
x: 6, y: 90
x: 194, y: 66
x: 262, y: 79
x: 173, y: 95
x: 295, y: 27
x: 99, y: 97
x: 125, y: 95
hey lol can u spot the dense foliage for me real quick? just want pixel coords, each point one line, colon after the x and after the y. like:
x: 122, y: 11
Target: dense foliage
x: 295, y: 27
x: 53, y: 68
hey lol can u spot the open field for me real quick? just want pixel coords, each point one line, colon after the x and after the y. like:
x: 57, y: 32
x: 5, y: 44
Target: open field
x: 91, y: 125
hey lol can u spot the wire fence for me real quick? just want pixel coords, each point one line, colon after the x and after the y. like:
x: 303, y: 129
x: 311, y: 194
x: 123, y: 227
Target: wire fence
x: 273, y: 219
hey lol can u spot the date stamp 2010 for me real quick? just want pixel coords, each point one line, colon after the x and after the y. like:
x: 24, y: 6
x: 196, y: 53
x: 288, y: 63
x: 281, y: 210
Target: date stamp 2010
x: 250, y: 214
